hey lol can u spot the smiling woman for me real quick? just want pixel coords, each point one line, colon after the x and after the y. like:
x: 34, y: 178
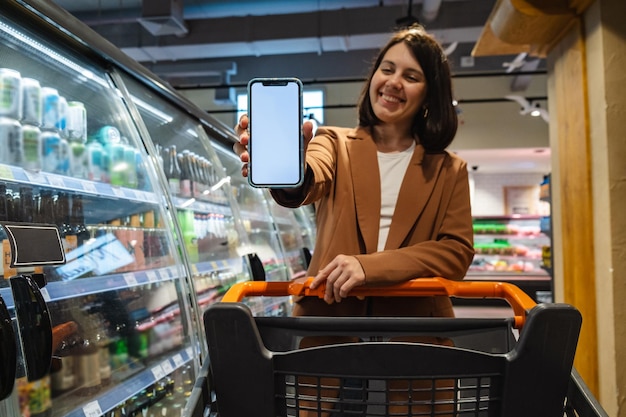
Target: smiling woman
x: 368, y: 234
x: 391, y: 203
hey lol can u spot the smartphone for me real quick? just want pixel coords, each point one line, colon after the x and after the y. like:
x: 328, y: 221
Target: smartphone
x: 275, y: 126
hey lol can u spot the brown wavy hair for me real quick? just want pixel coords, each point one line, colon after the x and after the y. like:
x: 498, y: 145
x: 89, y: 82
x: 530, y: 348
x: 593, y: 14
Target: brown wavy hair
x: 435, y: 129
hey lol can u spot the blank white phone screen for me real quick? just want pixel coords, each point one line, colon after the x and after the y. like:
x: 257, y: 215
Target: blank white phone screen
x: 275, y: 132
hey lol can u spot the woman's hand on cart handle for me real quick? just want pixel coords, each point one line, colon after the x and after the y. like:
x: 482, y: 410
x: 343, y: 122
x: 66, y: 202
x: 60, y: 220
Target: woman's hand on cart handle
x: 340, y: 276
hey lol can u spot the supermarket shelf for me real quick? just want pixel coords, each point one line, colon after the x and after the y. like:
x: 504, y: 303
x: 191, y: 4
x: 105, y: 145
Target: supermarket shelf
x: 120, y: 393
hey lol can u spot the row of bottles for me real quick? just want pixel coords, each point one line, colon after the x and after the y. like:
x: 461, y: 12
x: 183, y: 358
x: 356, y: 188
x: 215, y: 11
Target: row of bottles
x: 141, y: 237
x: 113, y: 336
x: 190, y: 175
x: 24, y: 205
x: 164, y: 398
x: 208, y: 236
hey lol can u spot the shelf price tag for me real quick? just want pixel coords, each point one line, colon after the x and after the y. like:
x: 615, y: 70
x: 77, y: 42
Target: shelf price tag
x: 130, y: 279
x: 89, y: 187
x: 164, y: 274
x: 56, y: 181
x: 35, y: 177
x: 118, y: 192
x: 45, y: 294
x: 178, y: 360
x: 5, y: 172
x: 152, y: 276
x: 167, y: 367
x: 158, y: 373
x: 92, y: 409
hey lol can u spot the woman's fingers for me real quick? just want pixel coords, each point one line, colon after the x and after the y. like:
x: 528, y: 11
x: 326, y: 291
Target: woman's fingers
x: 241, y: 147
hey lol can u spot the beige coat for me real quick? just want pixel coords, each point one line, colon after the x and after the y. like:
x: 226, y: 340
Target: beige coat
x: 431, y: 230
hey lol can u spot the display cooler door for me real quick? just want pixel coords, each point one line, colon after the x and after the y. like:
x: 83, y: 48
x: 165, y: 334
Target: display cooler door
x: 201, y: 192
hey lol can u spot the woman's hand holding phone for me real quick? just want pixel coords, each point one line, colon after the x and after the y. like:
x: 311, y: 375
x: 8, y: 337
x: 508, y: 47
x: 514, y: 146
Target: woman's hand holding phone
x: 241, y: 147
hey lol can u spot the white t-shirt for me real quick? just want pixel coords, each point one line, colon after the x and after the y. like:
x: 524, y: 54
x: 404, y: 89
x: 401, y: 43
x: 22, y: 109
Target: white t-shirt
x: 392, y: 168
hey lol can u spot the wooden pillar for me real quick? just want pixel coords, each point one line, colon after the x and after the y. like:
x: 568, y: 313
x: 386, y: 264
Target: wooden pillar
x: 573, y: 245
x: 605, y: 40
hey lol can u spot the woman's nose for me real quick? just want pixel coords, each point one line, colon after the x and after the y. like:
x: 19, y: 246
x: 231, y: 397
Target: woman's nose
x: 394, y: 81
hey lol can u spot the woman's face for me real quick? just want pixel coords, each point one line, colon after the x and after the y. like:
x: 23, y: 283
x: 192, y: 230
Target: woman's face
x: 398, y: 87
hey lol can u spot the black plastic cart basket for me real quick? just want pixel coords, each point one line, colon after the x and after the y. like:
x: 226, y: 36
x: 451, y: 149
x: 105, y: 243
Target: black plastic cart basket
x: 400, y: 366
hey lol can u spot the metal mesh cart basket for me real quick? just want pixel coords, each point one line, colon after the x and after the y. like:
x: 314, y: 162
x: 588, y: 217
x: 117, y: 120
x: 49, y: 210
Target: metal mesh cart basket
x: 381, y: 366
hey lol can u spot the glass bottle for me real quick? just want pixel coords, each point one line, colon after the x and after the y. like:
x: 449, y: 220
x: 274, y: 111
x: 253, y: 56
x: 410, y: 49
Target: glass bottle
x: 63, y: 222
x: 185, y: 173
x: 174, y: 171
x: 87, y: 351
x: 26, y: 208
x: 77, y: 220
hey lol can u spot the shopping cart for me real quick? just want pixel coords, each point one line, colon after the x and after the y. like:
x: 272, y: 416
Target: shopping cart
x: 514, y: 366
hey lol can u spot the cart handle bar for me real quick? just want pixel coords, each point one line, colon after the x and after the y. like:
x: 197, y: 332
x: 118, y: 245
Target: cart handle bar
x: 517, y: 299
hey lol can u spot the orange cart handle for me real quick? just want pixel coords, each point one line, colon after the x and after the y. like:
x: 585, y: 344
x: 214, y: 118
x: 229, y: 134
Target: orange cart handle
x: 419, y: 287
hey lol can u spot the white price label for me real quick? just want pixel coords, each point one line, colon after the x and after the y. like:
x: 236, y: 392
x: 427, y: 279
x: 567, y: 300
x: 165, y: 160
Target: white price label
x: 152, y: 276
x: 118, y: 192
x: 178, y: 360
x: 90, y: 187
x: 92, y: 409
x: 164, y: 274
x: 138, y: 195
x: 56, y: 181
x: 45, y: 294
x: 167, y: 367
x: 158, y: 373
x: 189, y: 351
x: 130, y: 279
x: 35, y: 177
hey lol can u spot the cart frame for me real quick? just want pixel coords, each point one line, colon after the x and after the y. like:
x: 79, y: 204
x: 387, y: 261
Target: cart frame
x: 529, y: 376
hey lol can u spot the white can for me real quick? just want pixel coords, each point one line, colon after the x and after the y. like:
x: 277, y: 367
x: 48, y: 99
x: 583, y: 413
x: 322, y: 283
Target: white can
x: 50, y: 108
x: 33, y: 149
x: 31, y: 102
x: 10, y: 94
x: 76, y: 122
x: 62, y: 120
x: 11, y: 149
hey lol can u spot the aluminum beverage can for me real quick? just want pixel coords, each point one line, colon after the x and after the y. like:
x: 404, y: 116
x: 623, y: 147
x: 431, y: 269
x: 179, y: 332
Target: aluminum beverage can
x: 31, y: 139
x: 108, y: 135
x: 64, y: 157
x: 11, y: 151
x: 31, y: 102
x: 10, y: 94
x: 78, y: 160
x: 50, y: 108
x: 117, y: 165
x: 61, y: 124
x: 131, y: 167
x: 95, y: 160
x: 51, y: 150
x: 76, y: 122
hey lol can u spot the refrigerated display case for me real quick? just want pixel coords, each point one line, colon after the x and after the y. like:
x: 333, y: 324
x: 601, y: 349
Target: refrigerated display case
x: 154, y: 216
x: 74, y: 158
x: 510, y: 249
x: 213, y: 236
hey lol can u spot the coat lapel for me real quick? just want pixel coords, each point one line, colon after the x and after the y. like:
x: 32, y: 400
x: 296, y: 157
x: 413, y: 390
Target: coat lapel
x: 417, y: 186
x: 366, y: 180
